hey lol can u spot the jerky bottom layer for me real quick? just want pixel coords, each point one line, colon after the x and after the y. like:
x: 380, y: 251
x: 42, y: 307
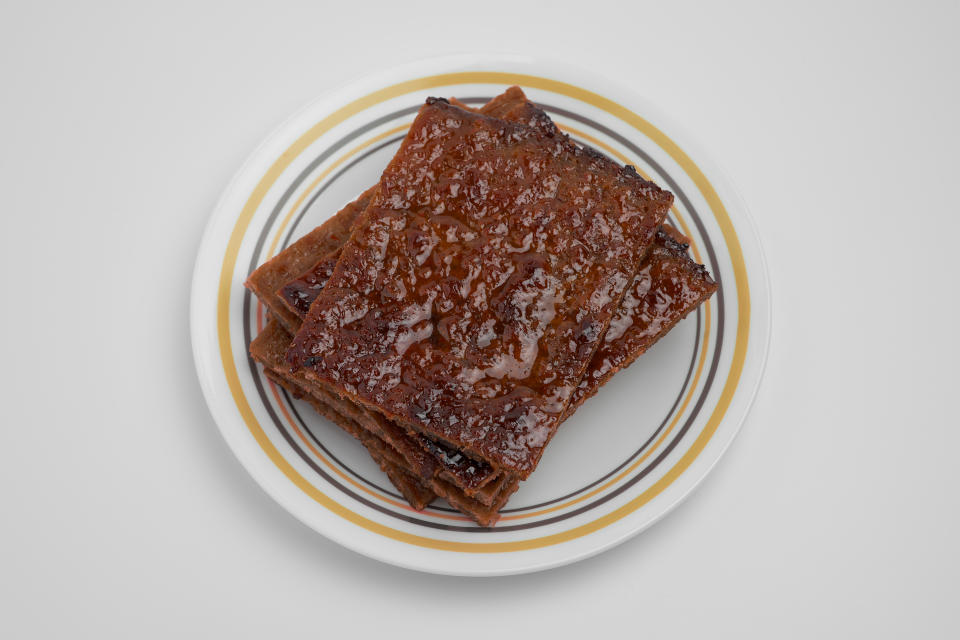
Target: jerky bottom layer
x: 415, y: 493
x: 269, y: 348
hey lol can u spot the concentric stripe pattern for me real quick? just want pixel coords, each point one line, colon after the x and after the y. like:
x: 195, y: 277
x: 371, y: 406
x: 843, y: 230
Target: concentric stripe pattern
x: 338, y: 158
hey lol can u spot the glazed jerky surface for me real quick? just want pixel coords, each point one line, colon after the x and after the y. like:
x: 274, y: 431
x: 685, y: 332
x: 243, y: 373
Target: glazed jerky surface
x: 300, y: 293
x: 668, y: 286
x: 490, y: 262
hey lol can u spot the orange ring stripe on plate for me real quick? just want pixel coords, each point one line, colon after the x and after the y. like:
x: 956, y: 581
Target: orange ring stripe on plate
x: 484, y: 77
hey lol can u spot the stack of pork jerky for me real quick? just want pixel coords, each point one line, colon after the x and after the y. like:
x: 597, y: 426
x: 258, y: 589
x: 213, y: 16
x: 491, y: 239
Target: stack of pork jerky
x: 457, y: 312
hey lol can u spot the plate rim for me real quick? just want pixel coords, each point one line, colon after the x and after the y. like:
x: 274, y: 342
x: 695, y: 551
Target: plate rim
x: 760, y: 291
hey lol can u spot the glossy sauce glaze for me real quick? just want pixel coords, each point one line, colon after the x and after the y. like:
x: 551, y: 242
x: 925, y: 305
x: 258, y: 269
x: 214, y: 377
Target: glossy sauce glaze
x: 488, y: 266
x: 465, y: 472
x: 470, y: 474
x: 300, y: 293
x: 668, y: 286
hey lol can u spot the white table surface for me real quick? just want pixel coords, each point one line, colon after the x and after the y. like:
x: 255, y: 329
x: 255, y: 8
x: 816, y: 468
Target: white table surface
x: 834, y: 514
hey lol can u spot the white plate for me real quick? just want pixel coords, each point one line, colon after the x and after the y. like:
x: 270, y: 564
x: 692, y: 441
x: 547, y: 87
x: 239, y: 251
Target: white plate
x: 622, y: 462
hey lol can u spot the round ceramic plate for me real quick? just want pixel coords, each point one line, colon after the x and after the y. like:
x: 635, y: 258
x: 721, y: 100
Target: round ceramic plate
x: 627, y: 457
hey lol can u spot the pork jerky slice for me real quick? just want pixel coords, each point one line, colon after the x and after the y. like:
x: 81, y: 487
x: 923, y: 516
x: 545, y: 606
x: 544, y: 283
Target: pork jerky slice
x: 477, y: 478
x: 461, y: 470
x: 269, y: 348
x: 419, y: 492
x: 667, y: 288
x: 300, y: 256
x: 468, y: 304
x: 417, y: 495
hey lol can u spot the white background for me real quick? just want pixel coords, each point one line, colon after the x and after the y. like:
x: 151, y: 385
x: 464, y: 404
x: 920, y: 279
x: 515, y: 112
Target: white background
x: 122, y: 512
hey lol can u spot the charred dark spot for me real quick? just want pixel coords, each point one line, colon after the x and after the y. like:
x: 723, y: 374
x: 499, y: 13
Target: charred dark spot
x: 588, y: 331
x: 418, y: 411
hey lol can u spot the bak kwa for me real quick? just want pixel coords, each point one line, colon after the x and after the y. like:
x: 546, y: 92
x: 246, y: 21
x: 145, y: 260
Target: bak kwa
x: 269, y: 348
x: 486, y: 269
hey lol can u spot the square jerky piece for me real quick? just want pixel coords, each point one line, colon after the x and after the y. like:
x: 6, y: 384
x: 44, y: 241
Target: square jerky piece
x: 269, y: 348
x: 487, y: 268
